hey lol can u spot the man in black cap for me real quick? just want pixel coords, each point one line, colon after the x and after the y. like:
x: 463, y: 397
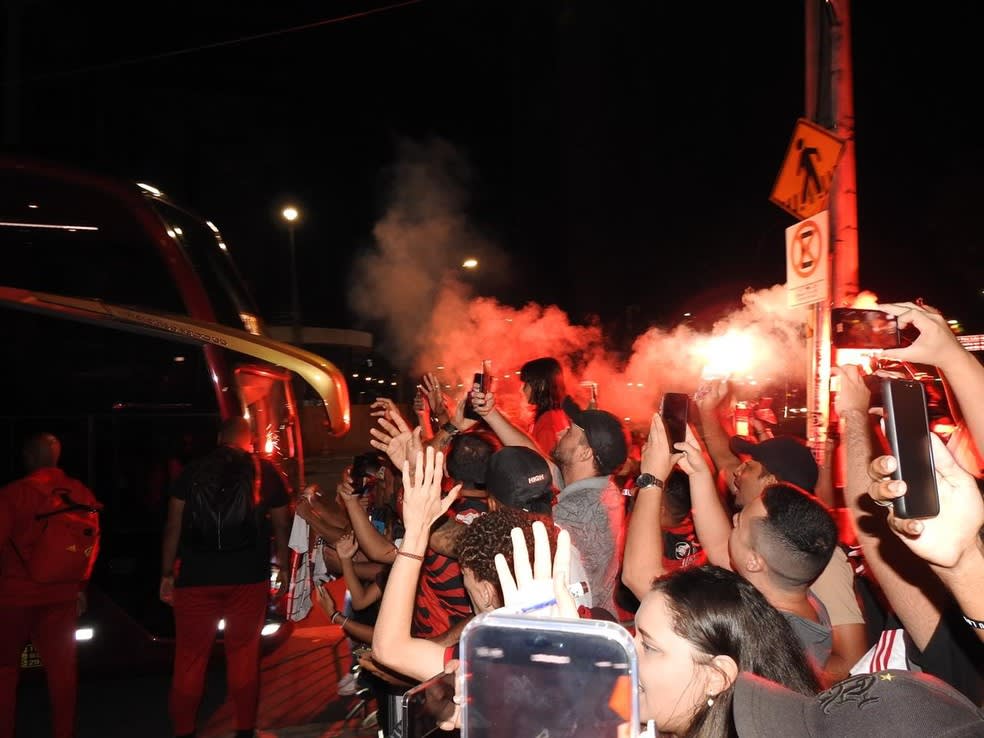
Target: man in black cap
x: 785, y: 460
x: 885, y: 703
x: 590, y: 506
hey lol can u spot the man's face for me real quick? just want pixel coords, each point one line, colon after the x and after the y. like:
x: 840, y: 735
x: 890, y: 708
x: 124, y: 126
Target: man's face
x: 750, y: 479
x: 742, y: 540
x: 570, y: 443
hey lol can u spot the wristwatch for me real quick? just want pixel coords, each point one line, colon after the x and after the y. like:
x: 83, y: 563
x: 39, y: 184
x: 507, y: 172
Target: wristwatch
x: 648, y: 480
x: 450, y: 428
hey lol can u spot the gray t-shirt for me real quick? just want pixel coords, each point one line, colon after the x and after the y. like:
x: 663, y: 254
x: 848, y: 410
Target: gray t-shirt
x: 817, y: 638
x: 593, y: 512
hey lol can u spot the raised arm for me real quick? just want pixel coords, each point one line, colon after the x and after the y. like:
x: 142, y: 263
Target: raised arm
x: 709, y: 400
x: 937, y: 345
x: 392, y: 643
x: 950, y: 543
x: 362, y: 595
x: 374, y: 544
x: 643, y: 560
x: 712, y: 524
x: 503, y: 427
x: 911, y: 590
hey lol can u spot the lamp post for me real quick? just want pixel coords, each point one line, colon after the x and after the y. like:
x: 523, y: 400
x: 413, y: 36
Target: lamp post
x: 290, y: 214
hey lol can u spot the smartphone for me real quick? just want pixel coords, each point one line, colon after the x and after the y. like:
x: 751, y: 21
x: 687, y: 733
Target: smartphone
x: 427, y: 705
x: 525, y: 676
x: 674, y: 409
x: 907, y: 430
x: 481, y: 382
x: 861, y: 329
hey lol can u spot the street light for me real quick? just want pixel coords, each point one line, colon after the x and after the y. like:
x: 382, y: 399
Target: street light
x: 470, y: 263
x: 290, y: 214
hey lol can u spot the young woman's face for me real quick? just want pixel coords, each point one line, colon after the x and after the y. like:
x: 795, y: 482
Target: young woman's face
x: 527, y: 392
x: 672, y: 685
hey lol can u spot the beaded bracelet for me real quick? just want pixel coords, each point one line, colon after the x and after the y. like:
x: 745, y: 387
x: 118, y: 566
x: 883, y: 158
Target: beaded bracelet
x: 415, y: 557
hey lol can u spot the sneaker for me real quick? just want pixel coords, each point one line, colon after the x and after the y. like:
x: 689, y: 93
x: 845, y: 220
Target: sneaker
x: 347, y: 685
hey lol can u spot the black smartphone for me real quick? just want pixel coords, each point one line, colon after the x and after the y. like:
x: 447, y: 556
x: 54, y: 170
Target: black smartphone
x: 481, y: 382
x: 674, y: 409
x: 907, y: 430
x: 427, y: 705
x: 864, y: 329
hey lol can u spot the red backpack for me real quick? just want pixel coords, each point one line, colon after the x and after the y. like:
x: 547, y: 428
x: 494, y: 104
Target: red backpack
x: 68, y: 542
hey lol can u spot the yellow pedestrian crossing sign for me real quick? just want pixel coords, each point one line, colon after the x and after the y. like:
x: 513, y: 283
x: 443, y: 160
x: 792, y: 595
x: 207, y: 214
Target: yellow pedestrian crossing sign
x: 807, y: 172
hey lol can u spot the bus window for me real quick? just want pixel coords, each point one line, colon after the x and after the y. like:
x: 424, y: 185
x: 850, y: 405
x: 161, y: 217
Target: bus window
x: 63, y: 238
x: 214, y: 267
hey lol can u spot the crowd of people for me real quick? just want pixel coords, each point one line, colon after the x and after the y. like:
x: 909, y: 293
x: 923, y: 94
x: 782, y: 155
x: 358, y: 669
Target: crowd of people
x: 755, y: 609
x: 744, y: 590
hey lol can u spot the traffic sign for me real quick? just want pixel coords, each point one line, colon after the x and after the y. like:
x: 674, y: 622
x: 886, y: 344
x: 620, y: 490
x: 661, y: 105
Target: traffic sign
x: 808, y: 170
x: 806, y: 260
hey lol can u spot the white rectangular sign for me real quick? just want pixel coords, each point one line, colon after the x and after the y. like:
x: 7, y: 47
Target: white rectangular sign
x: 807, y: 258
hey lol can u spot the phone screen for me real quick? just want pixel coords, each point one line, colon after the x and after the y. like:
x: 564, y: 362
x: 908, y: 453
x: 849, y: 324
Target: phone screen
x: 426, y: 705
x: 674, y: 410
x: 907, y: 429
x: 857, y: 328
x: 539, y: 682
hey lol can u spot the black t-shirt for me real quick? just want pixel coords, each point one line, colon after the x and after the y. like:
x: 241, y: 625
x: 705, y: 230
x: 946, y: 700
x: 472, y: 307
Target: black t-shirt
x: 954, y: 654
x: 244, y: 566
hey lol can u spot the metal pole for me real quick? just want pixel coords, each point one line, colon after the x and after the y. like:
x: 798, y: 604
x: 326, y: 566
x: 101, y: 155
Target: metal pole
x: 843, y: 193
x: 295, y: 297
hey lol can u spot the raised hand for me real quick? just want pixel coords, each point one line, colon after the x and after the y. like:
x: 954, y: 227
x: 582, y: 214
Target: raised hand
x: 540, y: 590
x: 657, y: 456
x: 693, y: 461
x: 422, y: 501
x: 394, y: 437
x: 346, y: 546
x: 935, y: 339
x: 435, y: 397
x: 944, y: 539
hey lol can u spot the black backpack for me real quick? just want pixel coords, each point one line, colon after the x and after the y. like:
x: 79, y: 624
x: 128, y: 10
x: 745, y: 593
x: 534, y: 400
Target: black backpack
x: 220, y: 507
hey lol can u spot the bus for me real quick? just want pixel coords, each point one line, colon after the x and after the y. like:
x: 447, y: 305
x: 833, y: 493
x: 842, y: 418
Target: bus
x: 128, y: 332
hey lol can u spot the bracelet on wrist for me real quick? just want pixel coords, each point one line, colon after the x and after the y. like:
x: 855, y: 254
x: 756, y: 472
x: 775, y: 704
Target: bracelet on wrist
x: 415, y: 557
x: 332, y: 618
x: 975, y: 624
x: 345, y: 621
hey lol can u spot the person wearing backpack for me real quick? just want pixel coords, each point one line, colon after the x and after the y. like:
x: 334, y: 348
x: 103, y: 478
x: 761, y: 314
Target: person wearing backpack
x: 49, y: 540
x: 216, y: 565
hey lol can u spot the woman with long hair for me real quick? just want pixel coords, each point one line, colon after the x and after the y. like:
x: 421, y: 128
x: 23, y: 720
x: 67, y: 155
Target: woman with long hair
x: 543, y: 388
x: 696, y: 630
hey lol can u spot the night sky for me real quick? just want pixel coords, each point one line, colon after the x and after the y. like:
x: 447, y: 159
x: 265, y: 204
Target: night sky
x: 620, y: 154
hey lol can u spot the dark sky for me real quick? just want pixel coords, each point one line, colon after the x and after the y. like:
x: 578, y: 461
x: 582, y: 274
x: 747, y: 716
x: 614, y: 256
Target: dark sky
x: 621, y: 153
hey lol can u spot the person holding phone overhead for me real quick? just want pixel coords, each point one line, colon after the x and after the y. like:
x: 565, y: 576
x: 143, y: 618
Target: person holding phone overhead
x: 544, y: 390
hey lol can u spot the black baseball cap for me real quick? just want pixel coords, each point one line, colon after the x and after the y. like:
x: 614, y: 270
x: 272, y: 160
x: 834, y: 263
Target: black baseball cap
x: 605, y: 433
x: 785, y: 456
x: 892, y: 702
x: 519, y: 477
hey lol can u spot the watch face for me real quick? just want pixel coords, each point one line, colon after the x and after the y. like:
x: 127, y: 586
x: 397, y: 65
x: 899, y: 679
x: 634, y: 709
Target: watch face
x: 644, y: 480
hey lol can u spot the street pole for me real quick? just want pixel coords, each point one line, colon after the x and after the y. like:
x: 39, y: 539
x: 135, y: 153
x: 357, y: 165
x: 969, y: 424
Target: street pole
x: 829, y: 98
x: 295, y: 297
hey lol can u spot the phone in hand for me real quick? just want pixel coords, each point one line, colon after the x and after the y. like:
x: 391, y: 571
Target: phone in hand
x: 427, y: 705
x: 674, y: 410
x: 481, y: 382
x: 864, y: 329
x: 907, y: 430
x: 525, y: 676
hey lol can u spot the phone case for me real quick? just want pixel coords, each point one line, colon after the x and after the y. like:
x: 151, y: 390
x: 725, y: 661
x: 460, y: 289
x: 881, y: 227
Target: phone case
x: 907, y: 430
x: 522, y: 675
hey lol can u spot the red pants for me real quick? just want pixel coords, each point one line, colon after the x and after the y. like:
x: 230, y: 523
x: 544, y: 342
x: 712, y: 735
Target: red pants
x: 197, y: 611
x: 51, y: 628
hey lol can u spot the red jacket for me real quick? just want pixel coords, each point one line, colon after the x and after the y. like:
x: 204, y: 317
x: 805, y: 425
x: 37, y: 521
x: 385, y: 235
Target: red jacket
x: 20, y: 501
